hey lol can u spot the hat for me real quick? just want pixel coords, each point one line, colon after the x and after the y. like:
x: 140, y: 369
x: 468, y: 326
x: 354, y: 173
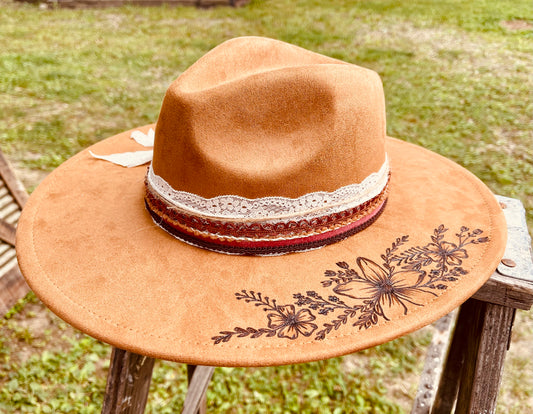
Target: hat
x: 276, y: 224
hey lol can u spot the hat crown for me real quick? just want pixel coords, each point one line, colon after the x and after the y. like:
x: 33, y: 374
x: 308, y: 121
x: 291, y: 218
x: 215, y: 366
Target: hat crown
x: 260, y: 118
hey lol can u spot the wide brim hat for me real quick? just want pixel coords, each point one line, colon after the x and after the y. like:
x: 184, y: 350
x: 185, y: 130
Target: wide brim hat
x: 276, y: 224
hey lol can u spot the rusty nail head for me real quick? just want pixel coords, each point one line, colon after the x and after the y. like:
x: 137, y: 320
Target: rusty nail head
x: 508, y: 262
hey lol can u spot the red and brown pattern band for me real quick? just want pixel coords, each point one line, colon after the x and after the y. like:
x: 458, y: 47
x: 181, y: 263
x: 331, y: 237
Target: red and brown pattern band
x: 263, y: 237
x: 266, y: 248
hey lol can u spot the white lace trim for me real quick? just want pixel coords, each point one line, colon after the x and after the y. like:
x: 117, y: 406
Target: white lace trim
x: 234, y: 207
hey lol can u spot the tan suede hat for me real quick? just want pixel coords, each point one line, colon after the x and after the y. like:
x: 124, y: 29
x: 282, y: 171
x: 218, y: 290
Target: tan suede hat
x: 277, y: 223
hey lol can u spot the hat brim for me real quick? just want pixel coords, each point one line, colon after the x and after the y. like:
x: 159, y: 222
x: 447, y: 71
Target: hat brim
x: 91, y: 252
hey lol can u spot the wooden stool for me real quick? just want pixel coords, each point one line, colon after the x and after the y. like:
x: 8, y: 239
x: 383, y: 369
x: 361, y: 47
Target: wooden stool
x: 471, y: 372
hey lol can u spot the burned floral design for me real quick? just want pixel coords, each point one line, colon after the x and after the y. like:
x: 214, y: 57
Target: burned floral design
x: 289, y: 324
x: 283, y: 321
x: 366, y: 293
x: 447, y: 252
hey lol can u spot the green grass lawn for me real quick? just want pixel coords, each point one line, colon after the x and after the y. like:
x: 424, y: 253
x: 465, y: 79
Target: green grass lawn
x: 457, y: 78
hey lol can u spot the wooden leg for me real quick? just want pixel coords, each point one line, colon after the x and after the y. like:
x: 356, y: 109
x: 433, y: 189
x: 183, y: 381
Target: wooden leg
x: 198, y: 377
x: 482, y: 371
x: 128, y: 383
x: 472, y: 373
x: 451, y: 374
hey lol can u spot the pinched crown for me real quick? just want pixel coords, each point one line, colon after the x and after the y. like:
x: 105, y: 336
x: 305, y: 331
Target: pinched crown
x: 264, y: 126
x: 257, y: 117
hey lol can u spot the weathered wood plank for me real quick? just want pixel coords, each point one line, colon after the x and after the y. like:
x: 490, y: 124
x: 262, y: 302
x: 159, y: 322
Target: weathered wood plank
x: 11, y: 181
x: 12, y: 288
x: 472, y: 372
x: 198, y: 377
x: 4, y: 247
x: 7, y: 232
x: 5, y: 196
x: 11, y: 218
x: 485, y: 354
x: 7, y: 212
x: 8, y: 258
x: 512, y: 284
x: 449, y: 382
x: 470, y: 347
x: 506, y: 291
x: 128, y: 383
x: 518, y: 246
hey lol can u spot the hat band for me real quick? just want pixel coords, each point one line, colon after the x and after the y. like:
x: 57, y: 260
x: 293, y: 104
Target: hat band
x: 281, y: 234
x: 267, y: 247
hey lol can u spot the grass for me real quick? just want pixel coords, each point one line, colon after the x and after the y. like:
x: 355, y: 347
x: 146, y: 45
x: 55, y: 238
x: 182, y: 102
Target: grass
x: 457, y: 81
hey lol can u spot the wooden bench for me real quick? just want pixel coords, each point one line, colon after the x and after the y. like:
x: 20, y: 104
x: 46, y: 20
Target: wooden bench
x: 13, y: 196
x: 463, y: 365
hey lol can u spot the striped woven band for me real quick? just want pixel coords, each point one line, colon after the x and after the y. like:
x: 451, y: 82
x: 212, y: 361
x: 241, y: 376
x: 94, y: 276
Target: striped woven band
x: 270, y: 225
